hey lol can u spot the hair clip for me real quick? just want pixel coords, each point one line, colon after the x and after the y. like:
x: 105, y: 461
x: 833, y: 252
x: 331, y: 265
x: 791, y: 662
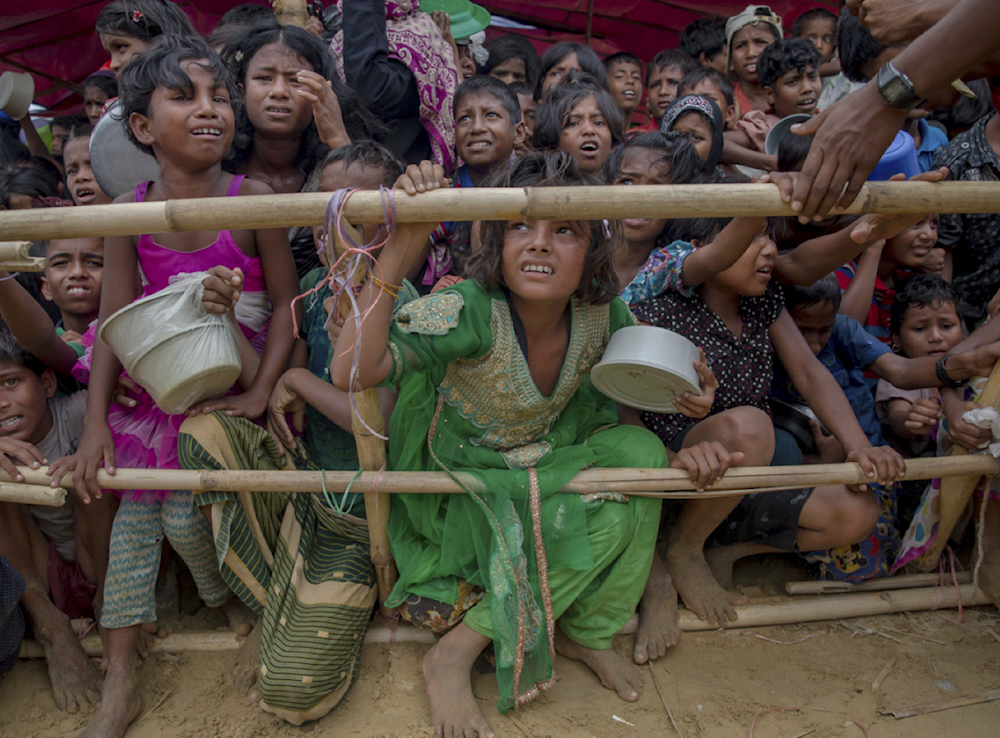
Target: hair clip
x: 238, y: 56
x: 136, y: 16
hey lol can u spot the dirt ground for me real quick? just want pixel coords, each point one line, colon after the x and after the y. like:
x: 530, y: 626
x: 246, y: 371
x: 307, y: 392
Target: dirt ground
x: 714, y: 682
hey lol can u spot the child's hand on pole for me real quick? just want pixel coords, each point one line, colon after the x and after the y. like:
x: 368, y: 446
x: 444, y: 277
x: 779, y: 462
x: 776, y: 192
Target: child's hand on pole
x: 422, y: 177
x: 12, y: 450
x: 878, y: 226
x: 705, y: 462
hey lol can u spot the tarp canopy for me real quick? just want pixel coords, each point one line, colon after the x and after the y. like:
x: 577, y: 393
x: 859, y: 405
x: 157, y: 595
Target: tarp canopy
x: 54, y: 40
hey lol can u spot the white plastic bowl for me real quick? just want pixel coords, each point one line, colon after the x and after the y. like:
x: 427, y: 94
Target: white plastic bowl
x: 646, y: 367
x: 16, y: 91
x: 178, y: 353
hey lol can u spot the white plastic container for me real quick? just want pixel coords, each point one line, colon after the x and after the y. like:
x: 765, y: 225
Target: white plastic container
x: 175, y: 350
x: 646, y: 367
x: 16, y: 92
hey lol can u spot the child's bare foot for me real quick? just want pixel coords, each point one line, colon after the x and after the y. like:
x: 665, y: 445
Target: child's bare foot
x: 701, y: 593
x: 658, y: 628
x: 120, y: 705
x: 246, y: 664
x: 241, y: 617
x: 448, y: 673
x: 614, y: 672
x: 76, y: 683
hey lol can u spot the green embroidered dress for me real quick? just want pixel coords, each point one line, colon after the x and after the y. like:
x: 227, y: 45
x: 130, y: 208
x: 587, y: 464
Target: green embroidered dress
x: 467, y: 402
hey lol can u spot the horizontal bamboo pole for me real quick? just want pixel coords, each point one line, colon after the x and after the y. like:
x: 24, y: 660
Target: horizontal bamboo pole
x: 15, y: 250
x: 32, y: 494
x: 756, y: 613
x: 879, y: 584
x: 587, y: 203
x: 33, y: 264
x: 665, y: 483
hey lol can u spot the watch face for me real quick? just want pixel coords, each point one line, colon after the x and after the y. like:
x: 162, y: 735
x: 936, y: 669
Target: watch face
x: 896, y: 89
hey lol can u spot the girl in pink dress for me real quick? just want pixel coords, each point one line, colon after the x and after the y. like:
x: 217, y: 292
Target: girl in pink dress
x: 178, y: 99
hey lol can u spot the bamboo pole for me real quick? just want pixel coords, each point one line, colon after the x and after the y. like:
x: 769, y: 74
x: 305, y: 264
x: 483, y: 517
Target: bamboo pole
x: 15, y: 250
x: 664, y: 483
x: 33, y: 264
x: 880, y: 584
x: 956, y: 492
x: 32, y: 494
x: 371, y: 448
x: 291, y: 12
x: 755, y: 614
x: 587, y: 203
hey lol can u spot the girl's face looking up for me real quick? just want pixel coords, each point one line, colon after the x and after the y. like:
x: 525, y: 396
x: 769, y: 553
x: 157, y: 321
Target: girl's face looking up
x: 272, y: 92
x: 695, y: 125
x: 585, y: 135
x: 929, y: 330
x: 912, y: 247
x: 643, y: 167
x: 564, y: 66
x: 543, y: 260
x: 192, y: 128
x: 93, y: 101
x: 122, y: 49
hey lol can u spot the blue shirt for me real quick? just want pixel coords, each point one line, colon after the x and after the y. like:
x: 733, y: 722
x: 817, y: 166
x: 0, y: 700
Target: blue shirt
x: 850, y: 350
x: 932, y: 142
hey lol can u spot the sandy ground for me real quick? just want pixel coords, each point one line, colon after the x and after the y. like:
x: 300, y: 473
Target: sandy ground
x: 715, y: 683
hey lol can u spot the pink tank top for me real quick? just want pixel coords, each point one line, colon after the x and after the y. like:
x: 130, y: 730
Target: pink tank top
x: 159, y: 263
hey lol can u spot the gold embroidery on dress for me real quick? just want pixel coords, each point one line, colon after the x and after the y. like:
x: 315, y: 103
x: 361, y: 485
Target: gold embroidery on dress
x: 432, y: 315
x: 497, y: 394
x: 397, y: 362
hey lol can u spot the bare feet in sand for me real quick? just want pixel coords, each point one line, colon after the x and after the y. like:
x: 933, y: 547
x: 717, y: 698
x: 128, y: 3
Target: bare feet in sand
x: 76, y: 682
x: 241, y: 617
x: 614, y: 672
x: 246, y: 664
x: 120, y: 705
x: 701, y: 593
x: 658, y: 628
x: 448, y: 673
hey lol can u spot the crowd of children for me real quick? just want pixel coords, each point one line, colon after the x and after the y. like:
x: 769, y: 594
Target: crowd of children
x: 842, y: 339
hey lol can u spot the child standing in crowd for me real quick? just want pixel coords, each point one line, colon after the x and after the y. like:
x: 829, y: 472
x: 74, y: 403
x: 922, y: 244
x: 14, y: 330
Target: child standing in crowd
x: 529, y: 109
x: 819, y: 27
x: 704, y: 40
x: 584, y: 122
x: 788, y: 71
x: 98, y: 88
x: 663, y: 77
x: 700, y: 118
x: 128, y: 27
x: 178, y: 98
x: 747, y: 35
x: 713, y: 84
x: 562, y: 58
x: 506, y: 353
x: 625, y: 82
x: 512, y: 58
x: 80, y: 180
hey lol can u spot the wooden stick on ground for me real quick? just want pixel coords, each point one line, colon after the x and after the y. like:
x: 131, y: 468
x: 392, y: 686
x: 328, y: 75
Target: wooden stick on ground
x: 32, y: 494
x: 884, y: 673
x: 971, y: 699
x: 881, y: 584
x: 957, y: 491
x: 479, y: 203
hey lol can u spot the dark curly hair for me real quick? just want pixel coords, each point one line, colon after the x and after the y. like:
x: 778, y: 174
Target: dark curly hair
x: 144, y: 19
x: 238, y: 54
x: 599, y: 282
x: 160, y: 66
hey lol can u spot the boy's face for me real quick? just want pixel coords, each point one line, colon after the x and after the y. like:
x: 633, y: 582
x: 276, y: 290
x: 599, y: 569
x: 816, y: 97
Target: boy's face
x: 625, y: 85
x: 929, y: 330
x: 59, y: 137
x: 815, y: 323
x: 24, y: 403
x: 696, y: 126
x: 74, y: 271
x: 484, y: 134
x: 510, y: 70
x: 912, y: 247
x: 83, y: 188
x: 821, y: 32
x: 528, y: 109
x: 707, y: 88
x: 747, y: 45
x: 795, y: 92
x: 662, y: 89
x: 335, y: 177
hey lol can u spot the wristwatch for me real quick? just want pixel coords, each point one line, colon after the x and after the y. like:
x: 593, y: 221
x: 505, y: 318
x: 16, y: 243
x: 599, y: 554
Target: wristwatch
x: 943, y: 376
x: 897, y: 89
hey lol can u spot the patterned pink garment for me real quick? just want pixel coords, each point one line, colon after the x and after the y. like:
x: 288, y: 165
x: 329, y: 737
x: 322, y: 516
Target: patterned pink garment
x: 415, y: 40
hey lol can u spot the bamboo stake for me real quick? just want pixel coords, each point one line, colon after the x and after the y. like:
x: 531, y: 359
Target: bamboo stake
x: 291, y: 12
x: 33, y: 264
x: 757, y: 613
x: 588, y: 203
x: 371, y: 450
x: 663, y: 483
x: 957, y: 491
x: 32, y: 494
x: 881, y: 584
x: 15, y: 250
x: 970, y: 699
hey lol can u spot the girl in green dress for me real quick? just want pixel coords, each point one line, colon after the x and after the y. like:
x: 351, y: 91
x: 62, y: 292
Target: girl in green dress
x: 493, y: 381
